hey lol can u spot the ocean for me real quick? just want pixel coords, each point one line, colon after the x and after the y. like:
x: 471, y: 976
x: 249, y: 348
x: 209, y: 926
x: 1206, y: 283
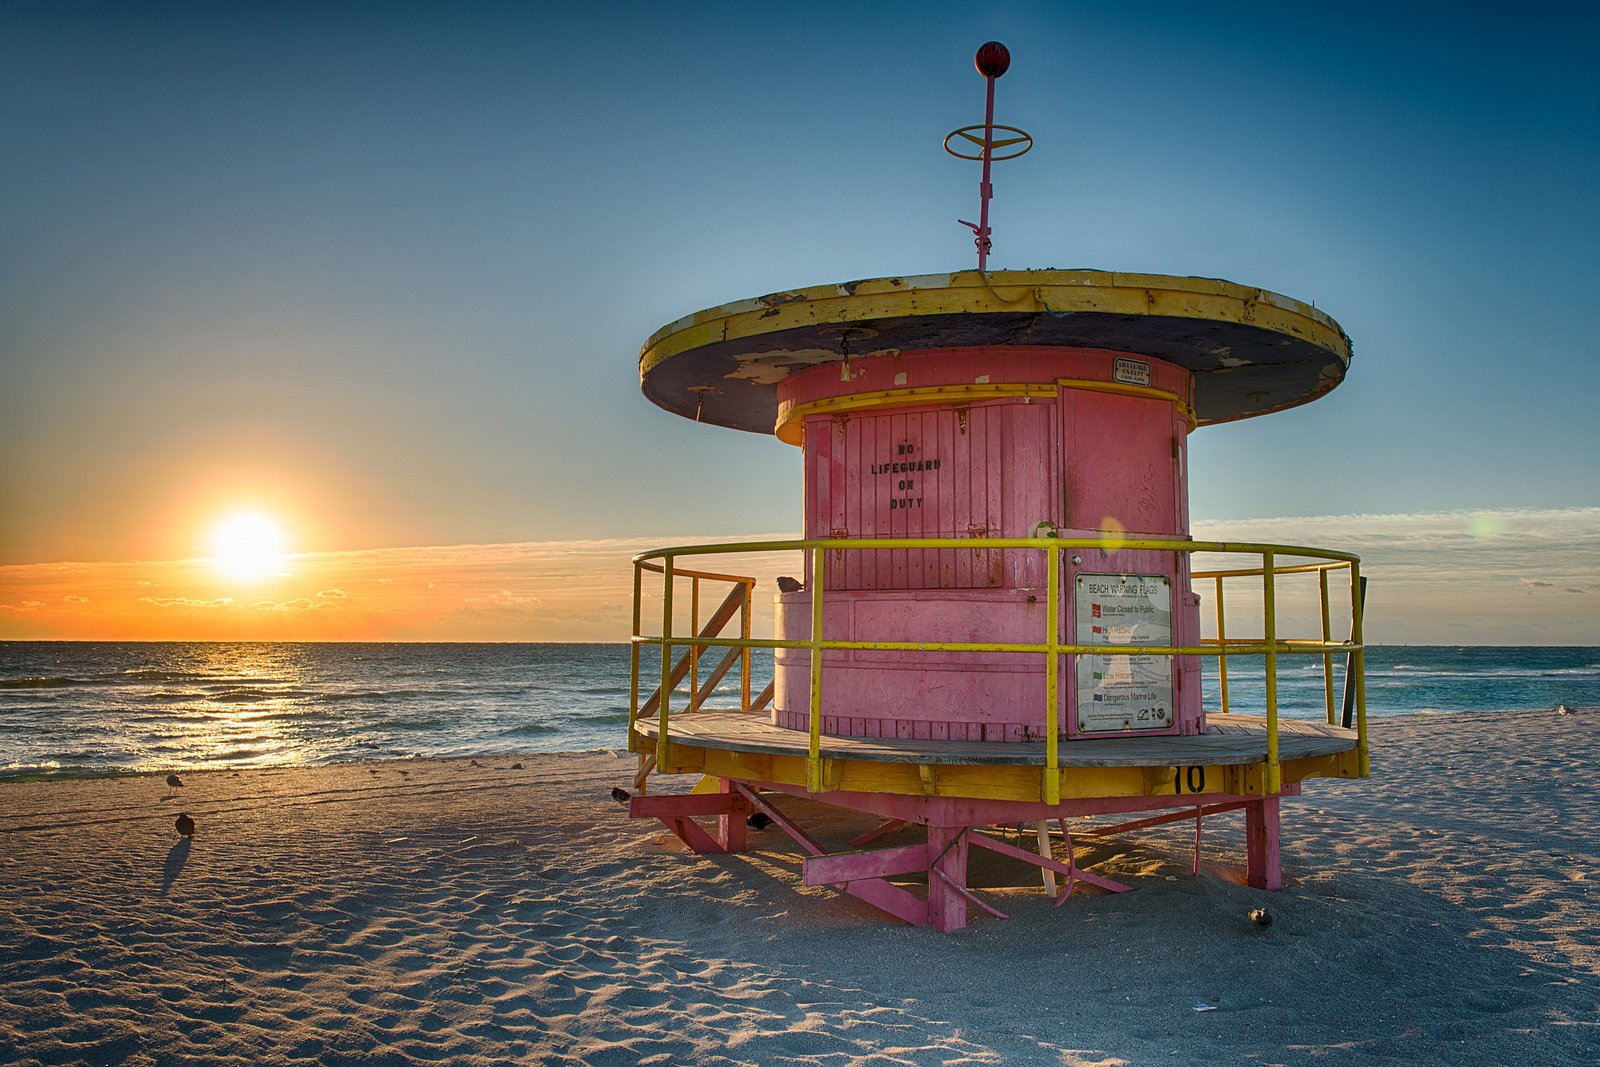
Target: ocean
x: 99, y: 707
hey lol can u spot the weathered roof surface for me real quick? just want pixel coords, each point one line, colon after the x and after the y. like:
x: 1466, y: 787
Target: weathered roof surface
x: 1252, y: 351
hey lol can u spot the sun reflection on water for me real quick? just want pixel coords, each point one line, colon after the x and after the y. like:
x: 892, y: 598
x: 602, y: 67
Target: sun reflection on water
x: 236, y: 705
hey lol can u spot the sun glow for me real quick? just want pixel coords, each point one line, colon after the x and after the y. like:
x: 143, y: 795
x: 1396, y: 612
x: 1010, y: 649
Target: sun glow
x: 248, y: 547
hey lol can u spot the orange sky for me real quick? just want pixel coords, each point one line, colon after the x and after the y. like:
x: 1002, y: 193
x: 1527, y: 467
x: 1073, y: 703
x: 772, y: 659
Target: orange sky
x: 543, y: 591
x: 1488, y: 577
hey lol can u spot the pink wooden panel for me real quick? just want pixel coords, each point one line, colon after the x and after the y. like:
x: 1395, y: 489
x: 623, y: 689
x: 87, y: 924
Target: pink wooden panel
x: 933, y: 472
x: 1121, y: 462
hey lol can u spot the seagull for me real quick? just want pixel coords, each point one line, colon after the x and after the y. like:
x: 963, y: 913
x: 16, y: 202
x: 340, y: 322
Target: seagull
x: 620, y: 795
x: 758, y: 820
x: 787, y: 584
x: 185, y: 826
x: 174, y: 782
x: 1261, y: 916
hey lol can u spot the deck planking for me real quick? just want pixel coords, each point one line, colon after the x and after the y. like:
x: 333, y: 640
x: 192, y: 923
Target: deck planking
x: 1229, y: 740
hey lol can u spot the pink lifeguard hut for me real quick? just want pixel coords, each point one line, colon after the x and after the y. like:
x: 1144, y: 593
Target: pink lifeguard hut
x: 998, y: 614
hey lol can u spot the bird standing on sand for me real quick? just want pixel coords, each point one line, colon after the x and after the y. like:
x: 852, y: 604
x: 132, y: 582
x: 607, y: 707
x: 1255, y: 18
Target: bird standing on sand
x: 620, y: 795
x: 174, y: 782
x: 185, y: 826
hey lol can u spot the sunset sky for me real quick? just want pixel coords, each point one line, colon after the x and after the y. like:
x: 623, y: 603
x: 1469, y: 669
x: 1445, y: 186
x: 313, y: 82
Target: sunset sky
x: 380, y: 274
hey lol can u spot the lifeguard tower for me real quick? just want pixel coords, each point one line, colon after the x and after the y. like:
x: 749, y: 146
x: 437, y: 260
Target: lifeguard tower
x: 998, y: 614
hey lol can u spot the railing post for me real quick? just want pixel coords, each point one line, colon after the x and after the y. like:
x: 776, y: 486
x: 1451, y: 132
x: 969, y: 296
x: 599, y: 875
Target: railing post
x: 744, y: 657
x: 1052, y: 676
x: 1327, y: 635
x: 1269, y: 608
x: 666, y: 660
x: 694, y: 650
x: 633, y: 687
x: 814, y: 750
x: 1358, y: 664
x: 1222, y: 647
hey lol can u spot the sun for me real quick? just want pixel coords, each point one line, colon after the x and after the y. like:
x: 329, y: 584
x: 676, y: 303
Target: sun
x: 248, y: 546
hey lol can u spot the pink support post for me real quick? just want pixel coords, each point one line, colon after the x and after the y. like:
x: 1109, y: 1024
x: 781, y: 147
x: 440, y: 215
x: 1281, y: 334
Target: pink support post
x: 731, y: 828
x: 1265, y: 868
x: 947, y: 897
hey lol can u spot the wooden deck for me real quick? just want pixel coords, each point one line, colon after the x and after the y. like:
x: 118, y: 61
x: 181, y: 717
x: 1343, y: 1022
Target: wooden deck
x: 1229, y: 740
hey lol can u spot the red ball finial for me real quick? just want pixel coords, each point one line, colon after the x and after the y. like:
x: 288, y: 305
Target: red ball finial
x: 993, y: 60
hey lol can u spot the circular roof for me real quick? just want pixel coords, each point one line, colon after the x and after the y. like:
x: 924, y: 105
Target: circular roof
x: 1251, y: 351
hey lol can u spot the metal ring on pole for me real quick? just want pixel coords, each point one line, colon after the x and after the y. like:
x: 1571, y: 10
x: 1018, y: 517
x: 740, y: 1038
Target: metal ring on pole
x: 1024, y: 138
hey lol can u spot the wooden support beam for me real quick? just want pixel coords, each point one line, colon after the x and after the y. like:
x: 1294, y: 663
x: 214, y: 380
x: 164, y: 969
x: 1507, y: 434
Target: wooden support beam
x: 947, y: 899
x: 1047, y: 863
x: 1265, y: 864
x: 880, y: 863
x: 1171, y: 816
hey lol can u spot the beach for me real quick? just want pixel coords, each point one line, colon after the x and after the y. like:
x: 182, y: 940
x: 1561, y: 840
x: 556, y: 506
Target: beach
x: 463, y: 911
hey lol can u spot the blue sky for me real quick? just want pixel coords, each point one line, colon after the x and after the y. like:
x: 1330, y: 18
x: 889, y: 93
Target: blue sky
x: 384, y: 269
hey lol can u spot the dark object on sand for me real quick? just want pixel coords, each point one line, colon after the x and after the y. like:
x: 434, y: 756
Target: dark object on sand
x: 516, y: 766
x: 185, y: 826
x: 787, y: 584
x: 174, y: 782
x: 1261, y: 916
x: 758, y: 820
x: 620, y: 795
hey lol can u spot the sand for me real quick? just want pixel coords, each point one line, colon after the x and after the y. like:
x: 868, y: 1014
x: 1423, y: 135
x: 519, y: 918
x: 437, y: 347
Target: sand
x: 463, y: 912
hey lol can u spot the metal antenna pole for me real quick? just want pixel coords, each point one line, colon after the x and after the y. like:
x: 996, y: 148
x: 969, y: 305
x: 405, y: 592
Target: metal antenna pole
x: 985, y: 190
x: 992, y: 61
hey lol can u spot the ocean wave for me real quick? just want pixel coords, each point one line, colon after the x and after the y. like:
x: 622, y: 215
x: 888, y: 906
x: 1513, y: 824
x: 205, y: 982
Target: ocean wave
x: 414, y: 724
x: 609, y: 715
x: 374, y: 695
x: 245, y: 696
x: 50, y: 682
x: 532, y: 729
x: 152, y: 674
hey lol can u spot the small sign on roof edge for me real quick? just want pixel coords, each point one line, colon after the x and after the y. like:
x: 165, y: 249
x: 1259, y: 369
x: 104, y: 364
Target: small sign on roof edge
x: 1131, y: 371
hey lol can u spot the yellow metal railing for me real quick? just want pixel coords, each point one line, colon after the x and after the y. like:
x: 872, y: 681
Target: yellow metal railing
x: 1270, y: 646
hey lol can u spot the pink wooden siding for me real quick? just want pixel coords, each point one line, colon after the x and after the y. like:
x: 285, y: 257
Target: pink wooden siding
x: 976, y: 471
x: 1122, y: 457
x: 1083, y: 455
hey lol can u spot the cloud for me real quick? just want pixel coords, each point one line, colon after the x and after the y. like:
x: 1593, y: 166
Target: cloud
x: 333, y: 594
x: 297, y: 604
x: 505, y: 598
x: 187, y: 602
x: 1430, y: 570
x: 73, y: 598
